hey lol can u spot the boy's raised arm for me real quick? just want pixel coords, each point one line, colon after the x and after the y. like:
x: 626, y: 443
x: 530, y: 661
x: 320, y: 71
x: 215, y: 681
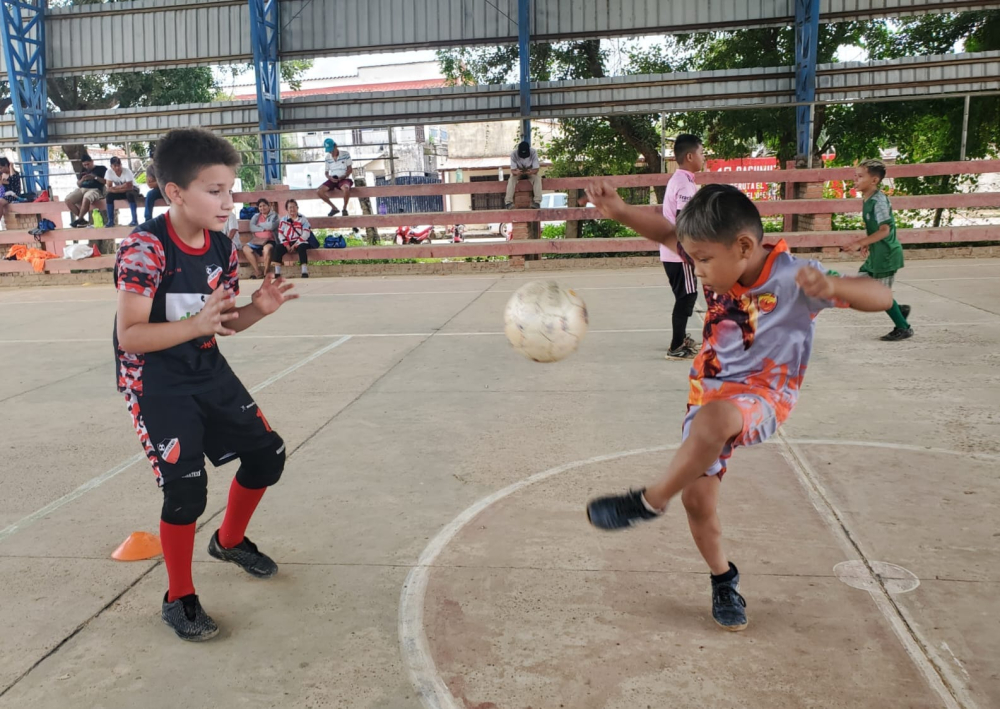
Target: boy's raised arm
x: 646, y: 222
x: 860, y: 293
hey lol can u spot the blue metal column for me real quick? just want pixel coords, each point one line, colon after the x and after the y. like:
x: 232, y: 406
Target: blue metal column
x: 23, y: 27
x: 523, y: 34
x: 264, y: 31
x: 806, y: 40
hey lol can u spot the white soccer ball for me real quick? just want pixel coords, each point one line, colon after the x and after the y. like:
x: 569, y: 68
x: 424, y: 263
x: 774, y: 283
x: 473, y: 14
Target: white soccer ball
x: 545, y: 321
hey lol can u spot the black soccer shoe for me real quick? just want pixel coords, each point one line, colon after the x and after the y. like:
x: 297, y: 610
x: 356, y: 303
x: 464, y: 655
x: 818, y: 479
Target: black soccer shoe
x: 245, y: 555
x: 188, y: 619
x: 619, y: 511
x: 728, y: 606
x: 897, y: 334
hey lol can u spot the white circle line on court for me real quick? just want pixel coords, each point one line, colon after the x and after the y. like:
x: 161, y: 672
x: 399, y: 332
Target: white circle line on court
x: 431, y: 688
x: 415, y: 649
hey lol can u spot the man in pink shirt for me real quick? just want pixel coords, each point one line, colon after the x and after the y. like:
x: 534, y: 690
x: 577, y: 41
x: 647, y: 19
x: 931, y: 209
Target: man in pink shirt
x: 690, y: 156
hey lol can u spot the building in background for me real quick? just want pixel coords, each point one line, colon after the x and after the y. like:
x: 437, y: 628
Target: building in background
x: 409, y: 151
x: 479, y: 152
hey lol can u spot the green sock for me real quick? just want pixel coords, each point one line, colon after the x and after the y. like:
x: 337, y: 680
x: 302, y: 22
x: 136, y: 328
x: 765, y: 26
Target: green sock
x: 897, y: 316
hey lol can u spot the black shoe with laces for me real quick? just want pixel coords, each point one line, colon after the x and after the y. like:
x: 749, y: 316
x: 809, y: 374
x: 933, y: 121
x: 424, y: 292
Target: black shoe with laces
x: 245, y: 555
x: 188, y: 619
x: 897, y: 334
x: 728, y: 606
x: 619, y: 511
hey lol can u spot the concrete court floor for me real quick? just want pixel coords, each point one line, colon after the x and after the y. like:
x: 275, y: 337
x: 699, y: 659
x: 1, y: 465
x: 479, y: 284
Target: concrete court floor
x: 389, y: 597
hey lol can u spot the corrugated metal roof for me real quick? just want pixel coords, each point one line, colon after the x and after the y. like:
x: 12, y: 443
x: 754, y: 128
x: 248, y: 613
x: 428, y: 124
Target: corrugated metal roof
x: 103, y: 38
x: 937, y: 76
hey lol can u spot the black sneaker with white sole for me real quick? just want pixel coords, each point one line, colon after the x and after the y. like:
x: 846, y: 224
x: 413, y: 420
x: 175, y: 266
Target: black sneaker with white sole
x: 898, y: 333
x: 188, y: 619
x: 619, y: 511
x: 728, y: 606
x: 245, y: 555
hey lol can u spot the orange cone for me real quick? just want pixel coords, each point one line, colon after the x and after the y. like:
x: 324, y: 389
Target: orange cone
x: 138, y: 546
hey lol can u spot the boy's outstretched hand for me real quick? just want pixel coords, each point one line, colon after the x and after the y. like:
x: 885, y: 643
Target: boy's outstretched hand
x: 272, y: 294
x: 603, y: 195
x: 217, y: 311
x: 815, y: 284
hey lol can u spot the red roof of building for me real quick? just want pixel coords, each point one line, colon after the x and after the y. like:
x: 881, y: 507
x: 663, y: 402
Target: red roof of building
x: 359, y: 88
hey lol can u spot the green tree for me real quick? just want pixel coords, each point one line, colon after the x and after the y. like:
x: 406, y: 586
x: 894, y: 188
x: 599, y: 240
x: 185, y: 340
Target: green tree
x: 921, y: 130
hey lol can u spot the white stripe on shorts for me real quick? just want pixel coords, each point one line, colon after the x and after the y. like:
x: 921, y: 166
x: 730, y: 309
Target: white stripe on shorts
x: 690, y: 281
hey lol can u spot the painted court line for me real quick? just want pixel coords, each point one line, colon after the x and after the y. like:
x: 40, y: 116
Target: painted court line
x: 96, y: 482
x: 938, y: 675
x: 434, y: 693
x: 431, y: 689
x: 489, y: 333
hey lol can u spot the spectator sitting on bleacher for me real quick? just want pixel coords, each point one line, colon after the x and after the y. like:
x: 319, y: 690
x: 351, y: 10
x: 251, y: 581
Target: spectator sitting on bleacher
x: 154, y: 193
x: 293, y: 233
x: 263, y: 226
x: 10, y: 185
x: 339, y: 168
x: 90, y: 189
x: 121, y: 185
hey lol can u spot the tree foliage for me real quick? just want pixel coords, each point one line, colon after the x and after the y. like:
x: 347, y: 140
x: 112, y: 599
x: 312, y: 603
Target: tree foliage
x: 922, y: 131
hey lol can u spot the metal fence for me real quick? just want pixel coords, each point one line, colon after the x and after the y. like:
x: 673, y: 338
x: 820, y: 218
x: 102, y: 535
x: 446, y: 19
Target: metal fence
x: 409, y: 205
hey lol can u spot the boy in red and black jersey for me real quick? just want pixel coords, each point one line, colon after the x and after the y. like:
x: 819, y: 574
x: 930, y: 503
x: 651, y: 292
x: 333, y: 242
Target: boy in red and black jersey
x: 177, y: 279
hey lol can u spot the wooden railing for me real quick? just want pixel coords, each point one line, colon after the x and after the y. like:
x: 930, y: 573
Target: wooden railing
x: 521, y: 246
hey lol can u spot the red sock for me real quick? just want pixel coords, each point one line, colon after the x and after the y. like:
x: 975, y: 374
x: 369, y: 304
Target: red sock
x: 242, y: 503
x: 178, y: 547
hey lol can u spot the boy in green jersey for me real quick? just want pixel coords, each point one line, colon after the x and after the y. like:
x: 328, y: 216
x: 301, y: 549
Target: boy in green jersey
x: 885, y: 254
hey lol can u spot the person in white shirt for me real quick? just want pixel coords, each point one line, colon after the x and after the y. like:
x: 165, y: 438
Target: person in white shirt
x: 233, y: 229
x: 121, y: 185
x: 524, y: 166
x: 338, y: 176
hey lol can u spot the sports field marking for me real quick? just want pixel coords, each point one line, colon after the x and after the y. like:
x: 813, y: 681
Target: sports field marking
x: 939, y: 676
x: 434, y: 693
x: 486, y: 333
x: 96, y: 482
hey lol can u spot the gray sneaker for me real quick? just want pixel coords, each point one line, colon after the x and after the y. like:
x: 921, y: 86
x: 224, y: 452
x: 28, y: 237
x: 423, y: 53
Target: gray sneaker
x: 245, y: 555
x: 682, y: 352
x: 188, y: 619
x: 728, y: 606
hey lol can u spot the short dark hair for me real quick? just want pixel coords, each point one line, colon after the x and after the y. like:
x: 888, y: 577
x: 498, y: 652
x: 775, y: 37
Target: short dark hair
x: 875, y: 168
x: 115, y: 160
x: 719, y: 213
x: 263, y: 200
x: 86, y: 158
x: 4, y: 162
x: 182, y: 153
x: 291, y: 201
x: 685, y: 144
